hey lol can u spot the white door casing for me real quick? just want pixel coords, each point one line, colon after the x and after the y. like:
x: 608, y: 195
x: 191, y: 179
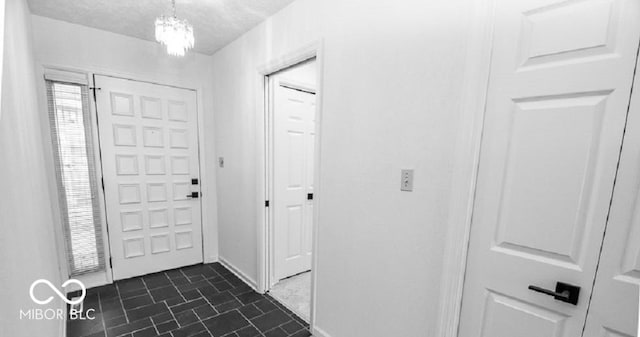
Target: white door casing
x: 614, y: 304
x: 149, y: 147
x: 293, y: 163
x: 556, y: 106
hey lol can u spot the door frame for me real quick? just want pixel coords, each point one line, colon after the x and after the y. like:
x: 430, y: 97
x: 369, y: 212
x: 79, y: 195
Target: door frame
x: 263, y: 172
x: 465, y: 165
x: 209, y: 239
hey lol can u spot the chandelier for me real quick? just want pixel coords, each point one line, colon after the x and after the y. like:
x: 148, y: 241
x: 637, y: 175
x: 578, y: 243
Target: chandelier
x: 173, y: 33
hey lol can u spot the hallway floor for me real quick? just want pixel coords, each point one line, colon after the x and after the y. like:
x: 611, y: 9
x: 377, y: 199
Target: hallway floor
x: 295, y: 293
x: 201, y: 300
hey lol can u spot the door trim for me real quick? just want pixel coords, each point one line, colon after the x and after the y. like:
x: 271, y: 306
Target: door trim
x: 207, y: 183
x: 465, y: 166
x: 263, y: 180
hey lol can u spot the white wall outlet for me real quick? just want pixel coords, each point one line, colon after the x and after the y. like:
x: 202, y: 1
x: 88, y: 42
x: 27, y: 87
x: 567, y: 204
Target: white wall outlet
x: 406, y: 180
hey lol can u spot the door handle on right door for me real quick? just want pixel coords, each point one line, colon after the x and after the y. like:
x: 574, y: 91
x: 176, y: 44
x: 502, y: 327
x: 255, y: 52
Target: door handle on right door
x: 564, y: 292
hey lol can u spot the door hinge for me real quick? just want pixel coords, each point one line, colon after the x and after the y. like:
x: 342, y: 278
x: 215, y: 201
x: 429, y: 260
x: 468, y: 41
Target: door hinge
x: 102, y: 183
x: 94, y: 89
x: 110, y: 263
x: 266, y: 203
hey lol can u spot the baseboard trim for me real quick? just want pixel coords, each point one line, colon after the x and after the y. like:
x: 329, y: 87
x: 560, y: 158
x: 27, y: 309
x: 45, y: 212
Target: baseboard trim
x: 317, y: 332
x: 246, y: 279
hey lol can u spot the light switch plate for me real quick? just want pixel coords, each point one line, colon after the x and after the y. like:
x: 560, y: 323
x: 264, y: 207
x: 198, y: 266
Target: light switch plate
x: 406, y: 180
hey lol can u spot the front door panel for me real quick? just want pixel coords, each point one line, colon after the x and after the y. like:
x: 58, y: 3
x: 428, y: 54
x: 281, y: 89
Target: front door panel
x: 148, y: 140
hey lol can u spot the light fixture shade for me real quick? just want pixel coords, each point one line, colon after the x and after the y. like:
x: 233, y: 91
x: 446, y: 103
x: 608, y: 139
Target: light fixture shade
x: 175, y: 34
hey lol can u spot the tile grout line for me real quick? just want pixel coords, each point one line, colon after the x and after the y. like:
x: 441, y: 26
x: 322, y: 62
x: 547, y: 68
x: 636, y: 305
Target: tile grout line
x: 104, y: 325
x: 201, y: 322
x: 146, y: 287
x: 291, y: 315
x: 176, y: 286
x: 248, y: 320
x: 122, y: 303
x: 179, y: 292
x: 202, y: 296
x: 236, y: 298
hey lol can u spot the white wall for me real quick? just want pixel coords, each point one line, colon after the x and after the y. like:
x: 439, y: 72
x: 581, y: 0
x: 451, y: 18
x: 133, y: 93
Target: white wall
x: 2, y: 7
x: 27, y: 251
x: 61, y: 44
x: 393, y: 76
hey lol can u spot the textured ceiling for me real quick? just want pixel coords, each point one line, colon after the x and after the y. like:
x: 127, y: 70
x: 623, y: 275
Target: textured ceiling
x: 215, y: 22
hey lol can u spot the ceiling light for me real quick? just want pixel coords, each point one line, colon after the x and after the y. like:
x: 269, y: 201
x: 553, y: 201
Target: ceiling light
x: 175, y: 34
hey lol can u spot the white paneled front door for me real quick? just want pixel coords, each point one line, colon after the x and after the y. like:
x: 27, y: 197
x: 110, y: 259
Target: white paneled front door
x: 614, y: 305
x: 149, y: 147
x: 556, y: 107
x: 293, y: 158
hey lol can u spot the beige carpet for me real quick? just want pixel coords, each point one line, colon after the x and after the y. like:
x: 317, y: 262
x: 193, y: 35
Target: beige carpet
x: 295, y: 294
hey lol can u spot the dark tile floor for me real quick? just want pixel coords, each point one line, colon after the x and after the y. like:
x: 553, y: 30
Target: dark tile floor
x: 200, y: 300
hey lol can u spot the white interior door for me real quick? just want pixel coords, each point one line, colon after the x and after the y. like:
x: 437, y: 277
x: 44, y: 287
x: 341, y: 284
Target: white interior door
x: 614, y: 304
x: 556, y: 107
x: 149, y: 146
x: 293, y: 158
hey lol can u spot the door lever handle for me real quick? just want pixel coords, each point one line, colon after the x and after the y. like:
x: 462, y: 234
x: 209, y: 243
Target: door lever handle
x: 193, y: 195
x: 564, y: 292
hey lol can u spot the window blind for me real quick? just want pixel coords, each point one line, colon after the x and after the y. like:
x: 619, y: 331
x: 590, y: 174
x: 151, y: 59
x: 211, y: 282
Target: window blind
x: 72, y: 142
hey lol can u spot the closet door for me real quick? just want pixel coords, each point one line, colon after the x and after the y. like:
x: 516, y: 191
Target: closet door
x: 557, y: 102
x: 293, y: 141
x: 614, y: 305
